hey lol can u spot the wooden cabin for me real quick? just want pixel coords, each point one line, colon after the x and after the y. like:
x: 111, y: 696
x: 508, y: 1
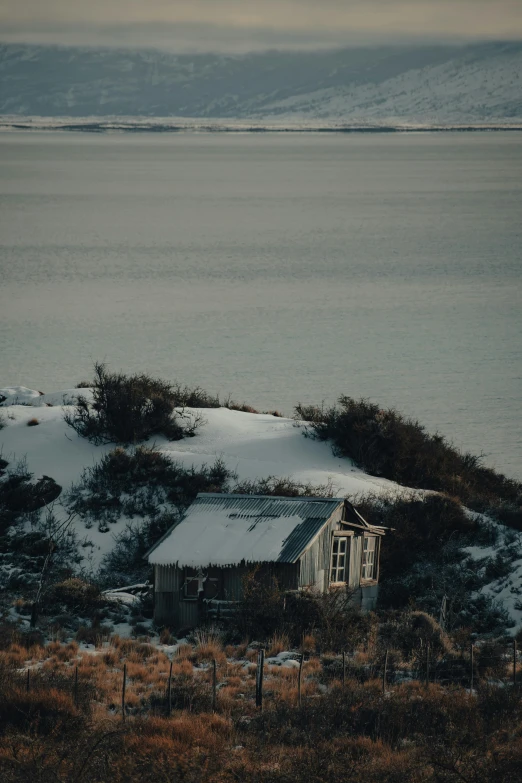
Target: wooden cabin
x: 305, y: 543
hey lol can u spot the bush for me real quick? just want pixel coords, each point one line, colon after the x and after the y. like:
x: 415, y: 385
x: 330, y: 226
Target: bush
x: 33, y: 423
x: 130, y: 409
x: 20, y: 495
x: 75, y: 595
x: 141, y: 482
x: 266, y: 610
x: 422, y: 559
x: 385, y: 443
x: 282, y: 486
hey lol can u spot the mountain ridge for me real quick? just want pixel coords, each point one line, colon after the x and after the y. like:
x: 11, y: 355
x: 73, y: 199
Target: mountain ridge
x: 440, y: 84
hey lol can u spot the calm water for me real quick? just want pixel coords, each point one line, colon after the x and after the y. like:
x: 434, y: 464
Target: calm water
x: 277, y: 268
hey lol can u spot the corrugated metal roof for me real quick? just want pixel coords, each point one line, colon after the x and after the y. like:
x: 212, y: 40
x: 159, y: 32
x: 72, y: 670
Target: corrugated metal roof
x: 253, y: 528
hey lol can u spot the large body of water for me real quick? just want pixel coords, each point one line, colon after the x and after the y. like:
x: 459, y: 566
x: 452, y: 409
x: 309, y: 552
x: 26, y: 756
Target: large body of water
x: 279, y: 268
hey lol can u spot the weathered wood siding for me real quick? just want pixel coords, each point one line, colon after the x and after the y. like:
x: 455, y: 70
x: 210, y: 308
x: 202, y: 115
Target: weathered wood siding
x: 171, y: 608
x: 356, y: 546
x: 315, y: 562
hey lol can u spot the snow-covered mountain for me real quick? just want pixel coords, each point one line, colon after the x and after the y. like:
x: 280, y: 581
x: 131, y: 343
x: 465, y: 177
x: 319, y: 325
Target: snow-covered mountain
x: 477, y: 83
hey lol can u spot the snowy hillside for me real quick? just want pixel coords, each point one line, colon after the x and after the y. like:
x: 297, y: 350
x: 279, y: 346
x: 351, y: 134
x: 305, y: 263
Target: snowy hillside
x: 465, y: 89
x: 253, y: 446
x: 432, y: 84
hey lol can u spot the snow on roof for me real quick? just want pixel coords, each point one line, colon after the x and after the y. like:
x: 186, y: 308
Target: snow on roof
x: 224, y: 530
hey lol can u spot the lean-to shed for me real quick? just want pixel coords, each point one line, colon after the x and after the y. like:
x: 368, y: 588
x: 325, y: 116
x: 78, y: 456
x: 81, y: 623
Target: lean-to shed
x: 305, y: 543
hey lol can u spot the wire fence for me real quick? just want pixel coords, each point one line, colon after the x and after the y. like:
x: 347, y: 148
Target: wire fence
x: 472, y: 668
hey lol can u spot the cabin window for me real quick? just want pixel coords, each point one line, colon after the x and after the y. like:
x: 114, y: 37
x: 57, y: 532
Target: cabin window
x: 339, y: 565
x: 193, y: 584
x: 200, y: 584
x: 369, y: 561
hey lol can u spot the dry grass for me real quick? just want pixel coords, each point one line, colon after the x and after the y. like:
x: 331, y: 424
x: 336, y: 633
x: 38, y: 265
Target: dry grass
x: 337, y: 735
x: 277, y: 644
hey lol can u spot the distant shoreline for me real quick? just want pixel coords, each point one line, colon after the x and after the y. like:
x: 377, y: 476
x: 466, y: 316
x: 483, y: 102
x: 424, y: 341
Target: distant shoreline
x: 112, y: 126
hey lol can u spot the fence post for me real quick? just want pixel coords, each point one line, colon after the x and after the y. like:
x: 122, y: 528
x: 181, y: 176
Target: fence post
x: 472, y: 667
x: 259, y: 679
x: 514, y: 663
x: 169, y: 692
x: 76, y: 686
x: 28, y: 681
x: 384, y: 672
x: 344, y: 669
x: 299, y: 680
x: 427, y: 664
x: 123, y: 692
x: 214, y: 684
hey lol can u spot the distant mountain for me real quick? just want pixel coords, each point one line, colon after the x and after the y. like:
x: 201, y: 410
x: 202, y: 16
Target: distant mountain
x: 434, y: 84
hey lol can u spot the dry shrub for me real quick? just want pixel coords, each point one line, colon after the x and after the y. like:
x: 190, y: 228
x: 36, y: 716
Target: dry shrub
x: 166, y: 637
x: 277, y: 644
x: 14, y: 656
x: 239, y: 406
x: 130, y: 409
x: 96, y: 634
x: 111, y: 658
x: 184, y: 651
x: 39, y: 709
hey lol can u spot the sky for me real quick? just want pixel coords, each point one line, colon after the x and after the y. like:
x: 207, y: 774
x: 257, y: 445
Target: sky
x: 247, y: 25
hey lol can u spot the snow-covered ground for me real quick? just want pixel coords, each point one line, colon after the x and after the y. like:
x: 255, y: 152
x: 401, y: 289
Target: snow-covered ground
x: 252, y: 445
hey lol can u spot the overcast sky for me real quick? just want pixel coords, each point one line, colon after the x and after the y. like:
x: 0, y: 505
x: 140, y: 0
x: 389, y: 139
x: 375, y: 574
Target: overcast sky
x: 244, y: 25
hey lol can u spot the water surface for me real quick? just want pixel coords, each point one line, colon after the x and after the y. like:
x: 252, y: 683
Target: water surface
x: 277, y: 268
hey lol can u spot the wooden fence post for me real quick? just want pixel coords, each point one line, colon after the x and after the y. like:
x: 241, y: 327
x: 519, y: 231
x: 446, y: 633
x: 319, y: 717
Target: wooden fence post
x: 472, y: 657
x: 76, y: 686
x: 299, y: 680
x: 214, y: 684
x: 384, y: 671
x: 123, y: 692
x: 259, y: 679
x: 169, y: 692
x: 344, y: 669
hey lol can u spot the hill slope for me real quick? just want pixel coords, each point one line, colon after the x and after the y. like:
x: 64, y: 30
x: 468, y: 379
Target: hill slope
x: 253, y: 446
x: 441, y: 84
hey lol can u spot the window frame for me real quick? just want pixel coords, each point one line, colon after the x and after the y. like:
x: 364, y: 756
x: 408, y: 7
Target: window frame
x: 338, y: 537
x: 375, y: 563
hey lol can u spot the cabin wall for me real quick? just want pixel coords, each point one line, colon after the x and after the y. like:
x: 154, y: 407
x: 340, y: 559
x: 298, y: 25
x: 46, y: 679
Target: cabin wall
x: 356, y: 549
x: 314, y: 569
x: 170, y: 608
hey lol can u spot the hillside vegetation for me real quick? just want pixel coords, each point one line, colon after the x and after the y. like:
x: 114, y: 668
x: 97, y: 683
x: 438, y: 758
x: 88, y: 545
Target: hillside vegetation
x: 124, y: 495
x: 386, y: 443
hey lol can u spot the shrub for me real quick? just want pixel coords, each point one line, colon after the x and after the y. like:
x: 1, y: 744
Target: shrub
x: 76, y: 596
x: 239, y: 406
x: 195, y: 397
x: 33, y: 422
x: 266, y: 611
x: 21, y: 496
x: 140, y: 482
x: 282, y: 486
x: 130, y: 409
x: 385, y: 443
